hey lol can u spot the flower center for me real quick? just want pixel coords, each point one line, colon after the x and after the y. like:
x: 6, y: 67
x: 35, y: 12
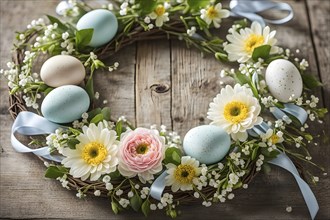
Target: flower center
x: 142, y: 149
x: 184, y: 173
x: 211, y: 12
x: 252, y: 42
x: 274, y: 139
x: 94, y: 153
x: 160, y: 10
x: 235, y: 112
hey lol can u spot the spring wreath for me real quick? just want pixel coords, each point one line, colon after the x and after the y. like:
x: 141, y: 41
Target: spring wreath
x: 259, y: 120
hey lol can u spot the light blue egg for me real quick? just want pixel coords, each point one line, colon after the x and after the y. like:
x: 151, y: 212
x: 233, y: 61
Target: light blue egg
x: 208, y: 144
x: 103, y: 22
x: 65, y: 104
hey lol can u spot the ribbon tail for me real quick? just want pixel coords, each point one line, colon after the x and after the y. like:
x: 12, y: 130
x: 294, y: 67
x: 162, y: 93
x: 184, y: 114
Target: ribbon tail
x: 284, y: 162
x: 157, y: 188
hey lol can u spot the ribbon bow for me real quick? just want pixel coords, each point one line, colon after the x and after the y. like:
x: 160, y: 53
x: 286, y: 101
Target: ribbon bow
x: 249, y: 9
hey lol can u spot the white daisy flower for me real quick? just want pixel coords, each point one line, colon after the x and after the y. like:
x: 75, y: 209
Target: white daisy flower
x: 160, y: 15
x: 182, y: 176
x: 95, y: 155
x: 214, y: 14
x: 241, y: 45
x: 235, y: 110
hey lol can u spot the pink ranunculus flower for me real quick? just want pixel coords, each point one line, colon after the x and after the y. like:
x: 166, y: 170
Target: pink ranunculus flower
x: 141, y: 152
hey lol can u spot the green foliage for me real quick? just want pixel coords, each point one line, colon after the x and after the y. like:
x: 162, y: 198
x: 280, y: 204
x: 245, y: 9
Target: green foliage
x: 195, y: 5
x: 83, y: 37
x: 90, y: 88
x: 146, y: 6
x: 115, y: 207
x: 136, y: 202
x: 145, y: 208
x: 173, y: 155
x: 98, y: 115
x: 261, y: 52
x: 310, y: 81
x: 241, y: 78
x: 54, y: 20
x: 72, y: 142
x: 55, y: 171
x: 119, y: 128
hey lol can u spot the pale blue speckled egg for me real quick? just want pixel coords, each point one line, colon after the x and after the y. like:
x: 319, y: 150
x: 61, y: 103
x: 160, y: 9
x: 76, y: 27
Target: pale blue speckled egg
x: 65, y: 104
x: 208, y: 144
x: 103, y: 22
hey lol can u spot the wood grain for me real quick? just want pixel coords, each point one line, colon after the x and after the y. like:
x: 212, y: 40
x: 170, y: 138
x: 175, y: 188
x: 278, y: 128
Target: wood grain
x: 192, y: 83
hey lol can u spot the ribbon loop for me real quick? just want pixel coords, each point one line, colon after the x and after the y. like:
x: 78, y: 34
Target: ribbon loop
x: 28, y: 123
x: 250, y: 8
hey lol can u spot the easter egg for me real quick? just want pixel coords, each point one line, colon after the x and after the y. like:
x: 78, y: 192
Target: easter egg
x: 207, y: 143
x: 284, y: 80
x: 65, y: 104
x: 62, y: 70
x: 103, y: 22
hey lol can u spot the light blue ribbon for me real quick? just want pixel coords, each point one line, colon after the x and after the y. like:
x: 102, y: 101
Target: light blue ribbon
x: 292, y: 109
x: 249, y: 9
x: 158, y: 186
x: 283, y: 161
x: 28, y: 123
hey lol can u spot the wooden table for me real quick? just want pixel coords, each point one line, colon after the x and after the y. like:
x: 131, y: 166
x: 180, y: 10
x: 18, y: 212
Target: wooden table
x: 133, y: 91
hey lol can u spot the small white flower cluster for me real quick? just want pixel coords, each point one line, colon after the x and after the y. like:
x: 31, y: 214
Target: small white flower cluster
x: 63, y: 181
x: 234, y: 28
x: 250, y: 68
x: 36, y: 23
x: 113, y: 67
x: 236, y: 159
x: 260, y: 162
x: 191, y: 31
x: 80, y: 194
x: 147, y: 20
x: 173, y: 139
x: 144, y: 192
x: 67, y: 44
x: 298, y: 141
x: 201, y: 181
x: 80, y: 124
x: 57, y: 140
x: 269, y: 101
x: 124, y: 202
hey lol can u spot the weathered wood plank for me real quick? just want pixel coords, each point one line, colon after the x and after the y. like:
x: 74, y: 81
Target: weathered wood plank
x: 153, y: 84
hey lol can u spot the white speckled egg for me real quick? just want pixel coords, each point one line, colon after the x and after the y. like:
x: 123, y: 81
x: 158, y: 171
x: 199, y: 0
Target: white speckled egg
x: 207, y: 143
x: 103, y: 22
x: 62, y: 70
x: 284, y: 80
x: 65, y: 104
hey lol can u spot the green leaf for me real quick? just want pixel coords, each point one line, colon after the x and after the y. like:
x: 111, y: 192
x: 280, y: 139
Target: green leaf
x: 83, y: 37
x: 72, y: 142
x: 115, y: 175
x: 98, y: 118
x: 106, y: 113
x: 308, y: 137
x: 201, y: 23
x: 54, y: 20
x: 136, y: 202
x: 119, y: 128
x: 269, y: 155
x: 261, y: 52
x: 55, y: 171
x: 241, y: 78
x: 93, y: 113
x: 310, y: 81
x: 146, y: 208
x: 114, y: 207
x: 321, y: 112
x: 90, y: 88
x: 254, y: 153
x: 146, y: 6
x: 197, y: 4
x: 48, y: 90
x: 173, y: 155
x: 266, y: 168
x: 221, y: 56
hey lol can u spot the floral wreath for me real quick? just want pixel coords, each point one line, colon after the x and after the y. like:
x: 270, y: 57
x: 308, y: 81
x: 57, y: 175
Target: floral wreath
x: 259, y: 120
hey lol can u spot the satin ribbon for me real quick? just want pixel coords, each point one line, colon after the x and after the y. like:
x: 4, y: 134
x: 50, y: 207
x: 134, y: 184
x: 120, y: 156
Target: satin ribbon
x: 291, y: 109
x: 249, y: 9
x: 283, y: 161
x: 28, y: 123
